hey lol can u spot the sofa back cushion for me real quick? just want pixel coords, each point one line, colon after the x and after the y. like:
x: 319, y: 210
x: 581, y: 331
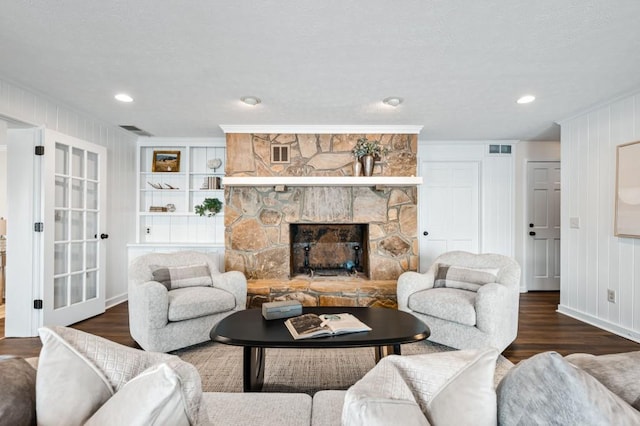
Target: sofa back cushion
x: 17, y: 392
x: 448, y: 388
x: 547, y: 389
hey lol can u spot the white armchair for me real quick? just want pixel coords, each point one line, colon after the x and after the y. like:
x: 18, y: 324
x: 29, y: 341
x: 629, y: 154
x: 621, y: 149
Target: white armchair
x: 163, y: 319
x: 484, y: 314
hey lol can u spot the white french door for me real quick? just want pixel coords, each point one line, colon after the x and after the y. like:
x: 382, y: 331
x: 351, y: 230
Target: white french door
x: 73, y: 189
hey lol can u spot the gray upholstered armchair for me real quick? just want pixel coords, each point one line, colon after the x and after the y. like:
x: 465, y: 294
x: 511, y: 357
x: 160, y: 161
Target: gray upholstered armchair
x: 176, y: 298
x: 467, y: 300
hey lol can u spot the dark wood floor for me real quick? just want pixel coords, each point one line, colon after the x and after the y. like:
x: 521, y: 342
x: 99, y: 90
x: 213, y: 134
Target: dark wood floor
x: 541, y: 329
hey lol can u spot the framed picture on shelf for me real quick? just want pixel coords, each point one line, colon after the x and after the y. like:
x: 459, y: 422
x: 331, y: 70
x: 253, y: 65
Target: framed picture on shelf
x: 627, y: 218
x: 166, y: 161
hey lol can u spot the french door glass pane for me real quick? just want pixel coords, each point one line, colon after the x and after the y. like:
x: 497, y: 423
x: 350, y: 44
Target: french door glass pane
x: 77, y: 194
x: 92, y: 285
x: 76, y: 288
x: 62, y: 192
x: 92, y: 195
x: 92, y: 254
x: 92, y: 225
x: 92, y: 166
x: 62, y: 225
x: 77, y: 163
x: 62, y: 159
x: 77, y: 261
x: 60, y: 259
x: 77, y: 225
x: 60, y: 292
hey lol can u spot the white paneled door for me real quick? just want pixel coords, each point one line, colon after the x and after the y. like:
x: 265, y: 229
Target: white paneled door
x: 74, y: 190
x: 449, y: 209
x: 543, y: 207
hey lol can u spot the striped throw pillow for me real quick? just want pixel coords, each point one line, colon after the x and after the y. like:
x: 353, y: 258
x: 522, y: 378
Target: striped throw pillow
x: 183, y: 276
x: 464, y: 278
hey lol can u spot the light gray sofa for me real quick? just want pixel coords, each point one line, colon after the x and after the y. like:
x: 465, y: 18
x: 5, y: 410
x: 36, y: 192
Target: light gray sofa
x: 479, y: 316
x: 85, y: 379
x: 163, y: 320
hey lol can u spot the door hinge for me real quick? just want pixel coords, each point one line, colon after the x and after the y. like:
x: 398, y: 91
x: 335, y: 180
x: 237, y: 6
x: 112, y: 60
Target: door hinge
x: 38, y: 227
x: 37, y: 304
x: 39, y: 149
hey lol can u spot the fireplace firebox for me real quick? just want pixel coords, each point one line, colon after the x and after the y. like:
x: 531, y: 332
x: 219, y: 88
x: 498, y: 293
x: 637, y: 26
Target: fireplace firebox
x: 329, y: 249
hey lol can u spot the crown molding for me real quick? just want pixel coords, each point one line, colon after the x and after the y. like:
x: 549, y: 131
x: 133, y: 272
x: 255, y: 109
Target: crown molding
x: 320, y: 129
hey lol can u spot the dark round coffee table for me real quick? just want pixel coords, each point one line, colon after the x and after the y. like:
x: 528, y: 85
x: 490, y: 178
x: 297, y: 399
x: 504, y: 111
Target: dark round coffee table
x: 389, y: 328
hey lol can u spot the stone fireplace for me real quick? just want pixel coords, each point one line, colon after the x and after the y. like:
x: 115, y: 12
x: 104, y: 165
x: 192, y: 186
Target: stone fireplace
x: 263, y: 223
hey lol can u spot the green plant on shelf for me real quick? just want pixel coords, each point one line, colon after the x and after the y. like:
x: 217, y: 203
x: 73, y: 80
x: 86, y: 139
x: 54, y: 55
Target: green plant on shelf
x: 209, y: 207
x: 369, y: 147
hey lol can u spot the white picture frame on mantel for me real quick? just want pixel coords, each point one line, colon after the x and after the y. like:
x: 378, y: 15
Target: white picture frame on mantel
x: 627, y: 195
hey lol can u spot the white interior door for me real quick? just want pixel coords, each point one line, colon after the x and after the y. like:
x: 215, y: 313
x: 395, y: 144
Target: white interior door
x: 449, y: 209
x: 74, y: 189
x: 543, y: 207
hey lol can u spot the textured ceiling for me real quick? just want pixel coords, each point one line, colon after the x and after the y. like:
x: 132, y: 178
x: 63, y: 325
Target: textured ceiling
x: 459, y: 64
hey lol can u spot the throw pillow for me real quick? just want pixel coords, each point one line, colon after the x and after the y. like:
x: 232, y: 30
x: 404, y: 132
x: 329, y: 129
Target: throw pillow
x: 620, y: 373
x: 183, y: 276
x: 547, y: 389
x: 153, y: 397
x: 464, y: 278
x: 17, y: 392
x: 83, y: 371
x: 438, y: 384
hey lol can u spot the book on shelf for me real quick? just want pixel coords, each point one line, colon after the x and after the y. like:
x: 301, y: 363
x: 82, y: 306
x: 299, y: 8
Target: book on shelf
x: 312, y: 325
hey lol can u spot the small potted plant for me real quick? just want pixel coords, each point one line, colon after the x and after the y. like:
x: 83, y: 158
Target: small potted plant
x: 209, y: 207
x: 368, y: 151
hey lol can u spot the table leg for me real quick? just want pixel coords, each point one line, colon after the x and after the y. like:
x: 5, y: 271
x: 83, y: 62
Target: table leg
x: 253, y: 369
x: 382, y: 351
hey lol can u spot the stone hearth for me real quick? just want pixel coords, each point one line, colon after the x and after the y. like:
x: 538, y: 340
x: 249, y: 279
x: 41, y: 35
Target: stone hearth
x: 257, y: 219
x: 335, y: 291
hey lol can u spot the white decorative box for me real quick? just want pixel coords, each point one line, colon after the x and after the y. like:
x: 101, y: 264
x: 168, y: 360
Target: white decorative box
x: 283, y: 309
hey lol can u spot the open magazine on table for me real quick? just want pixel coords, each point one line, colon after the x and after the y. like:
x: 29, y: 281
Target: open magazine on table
x: 312, y: 325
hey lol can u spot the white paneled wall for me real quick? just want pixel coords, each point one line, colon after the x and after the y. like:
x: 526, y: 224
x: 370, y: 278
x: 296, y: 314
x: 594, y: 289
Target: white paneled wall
x: 20, y: 104
x: 593, y: 259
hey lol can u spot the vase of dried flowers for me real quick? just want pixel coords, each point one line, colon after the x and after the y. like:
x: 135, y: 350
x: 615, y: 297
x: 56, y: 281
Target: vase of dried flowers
x: 367, y: 152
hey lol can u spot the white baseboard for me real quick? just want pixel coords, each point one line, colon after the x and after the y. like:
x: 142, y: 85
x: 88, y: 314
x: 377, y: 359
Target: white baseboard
x: 116, y: 300
x: 600, y: 323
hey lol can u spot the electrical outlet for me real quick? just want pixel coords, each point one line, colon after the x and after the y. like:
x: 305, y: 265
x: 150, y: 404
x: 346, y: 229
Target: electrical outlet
x: 148, y: 230
x: 611, y: 296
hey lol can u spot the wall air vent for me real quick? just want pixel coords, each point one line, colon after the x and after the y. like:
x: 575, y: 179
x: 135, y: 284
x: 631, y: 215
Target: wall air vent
x: 133, y: 129
x: 280, y: 154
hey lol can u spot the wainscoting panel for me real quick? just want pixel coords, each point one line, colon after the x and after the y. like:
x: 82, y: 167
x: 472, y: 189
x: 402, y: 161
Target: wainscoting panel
x: 595, y: 261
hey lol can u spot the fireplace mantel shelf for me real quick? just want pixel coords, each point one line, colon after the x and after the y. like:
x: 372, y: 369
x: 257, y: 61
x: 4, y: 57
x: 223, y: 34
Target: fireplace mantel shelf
x: 322, y: 180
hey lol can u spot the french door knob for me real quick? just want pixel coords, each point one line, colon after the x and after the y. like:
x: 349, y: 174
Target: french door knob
x: 532, y: 233
x: 425, y: 233
x: 104, y: 236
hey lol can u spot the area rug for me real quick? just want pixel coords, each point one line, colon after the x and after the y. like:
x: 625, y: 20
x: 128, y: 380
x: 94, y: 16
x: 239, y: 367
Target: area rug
x: 297, y: 370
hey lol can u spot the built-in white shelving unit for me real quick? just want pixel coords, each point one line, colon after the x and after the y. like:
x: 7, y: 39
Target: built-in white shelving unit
x: 166, y: 199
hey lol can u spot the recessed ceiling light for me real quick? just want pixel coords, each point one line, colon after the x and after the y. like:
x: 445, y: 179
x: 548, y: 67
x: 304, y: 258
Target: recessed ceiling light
x: 123, y: 97
x: 250, y: 100
x: 393, y: 101
x: 526, y: 99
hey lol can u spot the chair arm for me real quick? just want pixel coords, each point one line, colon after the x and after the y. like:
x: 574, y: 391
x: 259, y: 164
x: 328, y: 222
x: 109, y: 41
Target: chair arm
x: 235, y: 283
x: 148, y: 304
x: 411, y: 282
x: 496, y: 307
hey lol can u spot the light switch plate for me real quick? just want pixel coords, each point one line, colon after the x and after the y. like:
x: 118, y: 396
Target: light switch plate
x: 574, y: 222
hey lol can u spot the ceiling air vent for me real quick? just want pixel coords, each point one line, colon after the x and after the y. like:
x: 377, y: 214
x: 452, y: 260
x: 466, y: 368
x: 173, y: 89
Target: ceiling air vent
x: 279, y: 153
x: 135, y: 130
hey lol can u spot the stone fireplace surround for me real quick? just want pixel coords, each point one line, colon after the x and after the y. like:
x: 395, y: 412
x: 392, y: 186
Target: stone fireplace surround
x: 257, y: 219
